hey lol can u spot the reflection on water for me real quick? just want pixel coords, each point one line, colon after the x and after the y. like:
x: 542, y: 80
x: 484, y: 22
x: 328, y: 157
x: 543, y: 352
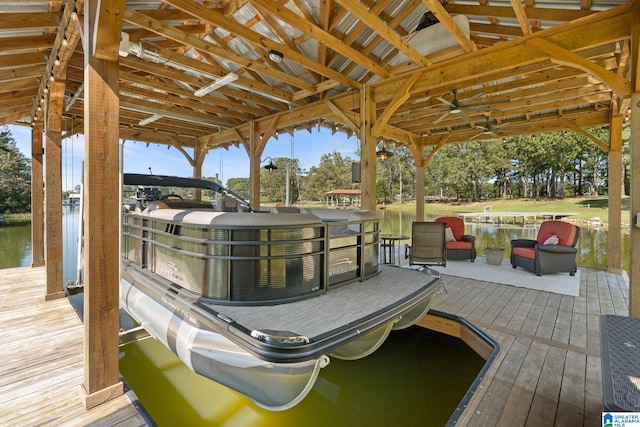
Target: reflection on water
x: 15, y: 245
x: 592, y: 243
x: 15, y: 240
x: 417, y: 377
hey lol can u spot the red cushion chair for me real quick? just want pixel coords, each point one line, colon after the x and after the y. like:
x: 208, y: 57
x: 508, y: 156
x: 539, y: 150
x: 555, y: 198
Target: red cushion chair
x: 545, y: 255
x: 464, y: 245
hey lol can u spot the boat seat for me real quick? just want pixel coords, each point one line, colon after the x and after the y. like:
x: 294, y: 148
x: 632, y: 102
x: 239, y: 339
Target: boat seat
x: 229, y: 204
x: 179, y: 204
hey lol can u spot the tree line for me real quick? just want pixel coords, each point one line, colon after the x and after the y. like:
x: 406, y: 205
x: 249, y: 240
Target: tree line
x: 548, y: 165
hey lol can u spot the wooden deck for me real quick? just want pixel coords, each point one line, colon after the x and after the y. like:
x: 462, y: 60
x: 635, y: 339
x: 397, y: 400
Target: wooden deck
x: 548, y: 369
x: 41, y: 348
x: 546, y: 373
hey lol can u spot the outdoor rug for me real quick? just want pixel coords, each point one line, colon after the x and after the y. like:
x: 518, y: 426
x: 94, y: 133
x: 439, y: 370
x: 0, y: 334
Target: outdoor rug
x: 560, y: 283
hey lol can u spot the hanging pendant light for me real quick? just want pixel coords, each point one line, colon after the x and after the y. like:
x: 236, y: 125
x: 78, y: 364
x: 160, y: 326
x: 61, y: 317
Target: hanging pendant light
x: 383, y: 154
x: 270, y: 166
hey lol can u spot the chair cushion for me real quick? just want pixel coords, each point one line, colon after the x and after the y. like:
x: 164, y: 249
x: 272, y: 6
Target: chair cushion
x: 456, y: 224
x: 565, y: 231
x: 459, y: 245
x: 529, y: 253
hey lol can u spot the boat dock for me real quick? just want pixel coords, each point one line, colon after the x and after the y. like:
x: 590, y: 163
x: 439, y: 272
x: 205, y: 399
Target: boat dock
x: 547, y: 372
x: 41, y: 348
x: 513, y: 217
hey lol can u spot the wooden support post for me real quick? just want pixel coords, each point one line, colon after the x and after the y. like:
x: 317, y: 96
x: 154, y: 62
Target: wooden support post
x: 254, y: 152
x: 368, y: 149
x: 199, y: 153
x: 53, y: 191
x: 101, y: 225
x: 419, y: 192
x: 37, y: 197
x: 634, y: 238
x: 614, y: 236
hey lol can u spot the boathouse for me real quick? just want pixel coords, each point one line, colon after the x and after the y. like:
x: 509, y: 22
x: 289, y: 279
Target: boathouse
x: 201, y: 76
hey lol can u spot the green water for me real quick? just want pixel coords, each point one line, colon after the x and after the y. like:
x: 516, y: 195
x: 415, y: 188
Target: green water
x: 15, y: 245
x: 417, y: 378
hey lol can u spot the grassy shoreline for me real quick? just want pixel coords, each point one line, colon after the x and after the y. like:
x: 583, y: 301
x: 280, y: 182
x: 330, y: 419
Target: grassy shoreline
x: 586, y: 209
x: 16, y: 218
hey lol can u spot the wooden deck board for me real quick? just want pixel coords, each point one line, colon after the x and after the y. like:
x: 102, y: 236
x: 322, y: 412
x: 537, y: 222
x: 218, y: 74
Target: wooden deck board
x: 518, y: 402
x: 545, y: 399
x: 41, y: 348
x: 547, y: 371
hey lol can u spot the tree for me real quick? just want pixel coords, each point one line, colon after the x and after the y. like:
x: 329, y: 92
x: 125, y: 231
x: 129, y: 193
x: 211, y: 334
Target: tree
x: 240, y: 186
x: 274, y: 184
x: 15, y: 176
x: 333, y: 172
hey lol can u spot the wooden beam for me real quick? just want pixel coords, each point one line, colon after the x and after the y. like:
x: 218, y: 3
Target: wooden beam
x: 518, y: 8
x: 634, y: 208
x: 507, y: 59
x: 64, y: 44
x: 435, y: 150
x: 419, y: 192
x: 210, y: 15
x: 561, y: 56
x: 322, y: 36
x: 254, y: 152
x: 403, y: 94
x: 101, y: 225
x: 108, y: 28
x: 37, y: 197
x: 371, y: 20
x: 368, y: 150
x: 577, y: 129
x: 144, y: 21
x: 53, y: 191
x: 345, y: 119
x: 615, y: 183
x: 445, y: 19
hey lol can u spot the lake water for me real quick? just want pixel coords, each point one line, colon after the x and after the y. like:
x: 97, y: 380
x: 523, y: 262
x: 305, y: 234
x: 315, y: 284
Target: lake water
x: 417, y: 378
x: 15, y: 240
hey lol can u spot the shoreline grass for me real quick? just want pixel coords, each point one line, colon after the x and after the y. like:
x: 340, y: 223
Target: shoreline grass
x: 586, y: 208
x: 20, y: 218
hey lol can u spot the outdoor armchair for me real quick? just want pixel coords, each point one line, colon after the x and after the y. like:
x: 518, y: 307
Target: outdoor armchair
x: 427, y: 244
x: 459, y: 245
x: 553, y: 251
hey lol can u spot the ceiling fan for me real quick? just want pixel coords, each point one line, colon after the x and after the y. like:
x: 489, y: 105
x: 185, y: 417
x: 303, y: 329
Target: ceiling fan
x: 456, y: 106
x: 490, y: 129
x: 487, y: 129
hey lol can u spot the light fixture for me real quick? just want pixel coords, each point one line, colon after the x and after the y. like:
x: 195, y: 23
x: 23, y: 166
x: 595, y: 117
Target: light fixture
x: 276, y: 56
x: 149, y: 119
x: 383, y: 154
x: 270, y: 167
x: 222, y: 81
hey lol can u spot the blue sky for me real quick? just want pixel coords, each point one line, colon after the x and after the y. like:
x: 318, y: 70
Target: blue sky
x: 231, y: 163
